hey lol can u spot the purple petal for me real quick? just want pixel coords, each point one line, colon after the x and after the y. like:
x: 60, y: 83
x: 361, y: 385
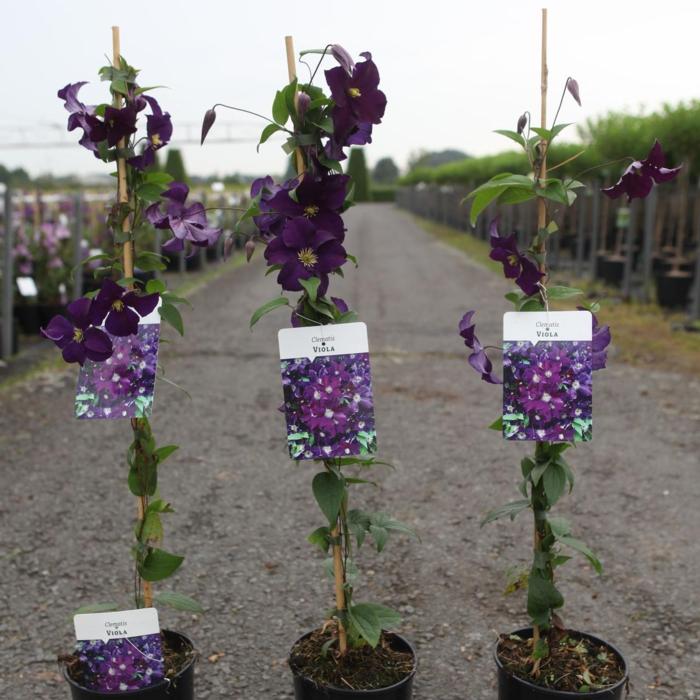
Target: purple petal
x: 122, y: 323
x: 79, y: 311
x: 74, y: 352
x: 58, y: 329
x: 97, y: 344
x: 143, y: 304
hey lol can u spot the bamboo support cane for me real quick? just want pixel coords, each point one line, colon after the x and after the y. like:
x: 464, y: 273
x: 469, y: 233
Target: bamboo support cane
x: 127, y: 261
x: 541, y: 223
x: 338, y: 572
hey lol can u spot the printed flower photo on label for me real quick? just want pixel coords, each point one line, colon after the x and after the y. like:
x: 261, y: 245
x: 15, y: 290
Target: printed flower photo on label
x: 120, y: 665
x: 329, y: 407
x: 547, y: 391
x: 121, y: 386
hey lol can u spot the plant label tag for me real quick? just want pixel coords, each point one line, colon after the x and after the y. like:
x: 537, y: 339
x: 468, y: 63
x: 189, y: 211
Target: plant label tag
x: 123, y: 385
x: 547, y: 373
x: 327, y: 385
x: 26, y: 286
x: 119, y: 651
x: 115, y: 625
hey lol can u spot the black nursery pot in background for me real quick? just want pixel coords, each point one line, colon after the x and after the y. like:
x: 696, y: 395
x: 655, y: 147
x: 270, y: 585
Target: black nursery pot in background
x: 305, y: 689
x: 673, y: 289
x: 181, y: 687
x: 511, y: 687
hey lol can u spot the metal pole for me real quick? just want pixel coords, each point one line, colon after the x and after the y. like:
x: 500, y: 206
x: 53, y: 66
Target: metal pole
x: 77, y: 246
x: 595, y: 225
x: 580, y: 235
x: 694, y: 309
x: 630, y: 238
x: 650, y: 204
x: 7, y: 279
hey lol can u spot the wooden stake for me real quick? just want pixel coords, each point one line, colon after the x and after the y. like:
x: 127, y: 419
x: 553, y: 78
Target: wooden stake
x: 292, y: 72
x: 338, y: 571
x: 541, y: 223
x: 128, y: 263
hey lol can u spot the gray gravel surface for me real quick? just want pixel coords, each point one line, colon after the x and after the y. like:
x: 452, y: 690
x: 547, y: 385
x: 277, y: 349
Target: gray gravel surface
x: 243, y: 509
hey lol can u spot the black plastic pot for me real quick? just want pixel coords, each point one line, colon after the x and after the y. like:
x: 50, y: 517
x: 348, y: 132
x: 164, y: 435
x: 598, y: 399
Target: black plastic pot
x: 511, y: 687
x: 673, y: 289
x: 28, y: 318
x: 611, y: 268
x: 179, y: 688
x: 48, y: 311
x: 305, y: 689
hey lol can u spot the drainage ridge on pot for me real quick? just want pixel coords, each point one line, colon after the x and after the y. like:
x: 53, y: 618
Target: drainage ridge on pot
x: 306, y: 689
x: 181, y: 687
x: 512, y: 687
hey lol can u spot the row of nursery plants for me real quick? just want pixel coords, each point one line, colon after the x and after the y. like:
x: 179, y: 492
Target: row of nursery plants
x: 113, y: 334
x: 603, y: 139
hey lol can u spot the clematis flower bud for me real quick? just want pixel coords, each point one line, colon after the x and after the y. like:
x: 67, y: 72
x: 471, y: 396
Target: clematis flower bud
x: 572, y: 87
x: 207, y: 123
x: 303, y: 102
x: 228, y: 245
x: 249, y: 249
x: 343, y: 57
x: 522, y: 123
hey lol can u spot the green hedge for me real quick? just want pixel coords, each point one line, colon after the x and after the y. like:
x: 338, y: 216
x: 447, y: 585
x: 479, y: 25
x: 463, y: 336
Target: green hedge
x: 613, y: 136
x: 383, y: 193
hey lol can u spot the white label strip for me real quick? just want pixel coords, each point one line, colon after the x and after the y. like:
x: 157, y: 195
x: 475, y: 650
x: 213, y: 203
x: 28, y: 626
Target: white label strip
x: 537, y: 326
x: 320, y: 341
x: 116, y: 625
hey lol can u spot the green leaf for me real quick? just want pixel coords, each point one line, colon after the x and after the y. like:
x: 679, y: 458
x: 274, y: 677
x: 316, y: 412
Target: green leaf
x: 554, y: 190
x: 512, y: 135
x: 267, y: 132
x: 527, y: 465
x: 159, y: 564
x: 96, y: 608
x: 554, y: 480
x: 280, y: 112
x: 178, y: 601
x: 320, y: 537
x: 162, y: 453
x: 542, y: 598
x: 583, y: 549
x: 152, y: 527
x: 170, y: 313
x: 149, y: 192
x: 497, y: 424
x: 155, y: 286
x: 380, y: 536
x: 510, y: 510
x: 328, y: 491
x: 537, y: 471
x: 311, y: 286
x: 267, y: 307
x: 365, y: 621
x: 559, y: 526
x: 157, y: 177
x: 559, y: 292
x: 386, y: 617
x: 516, y: 195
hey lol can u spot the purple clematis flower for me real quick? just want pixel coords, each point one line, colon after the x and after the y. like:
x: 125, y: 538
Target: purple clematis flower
x: 117, y: 124
x: 318, y: 200
x: 640, y: 176
x: 478, y: 359
x: 187, y: 223
x: 77, y: 337
x: 270, y: 222
x: 358, y: 92
x: 516, y: 265
x: 120, y: 308
x: 304, y: 252
x: 79, y: 113
x: 159, y: 130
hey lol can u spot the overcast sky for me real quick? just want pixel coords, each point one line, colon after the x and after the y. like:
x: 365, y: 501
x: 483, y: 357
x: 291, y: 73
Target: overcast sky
x: 453, y: 70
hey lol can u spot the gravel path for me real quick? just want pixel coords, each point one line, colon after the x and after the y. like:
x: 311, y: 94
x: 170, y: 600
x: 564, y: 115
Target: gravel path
x: 243, y: 510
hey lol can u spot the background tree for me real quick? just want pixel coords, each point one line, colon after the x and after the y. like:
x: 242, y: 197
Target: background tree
x: 385, y: 172
x: 357, y: 169
x: 175, y: 165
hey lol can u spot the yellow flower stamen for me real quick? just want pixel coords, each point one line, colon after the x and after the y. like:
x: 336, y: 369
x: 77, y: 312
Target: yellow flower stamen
x: 155, y: 140
x: 513, y: 259
x: 307, y: 257
x: 77, y: 335
x: 118, y: 305
x: 311, y: 210
x: 354, y: 92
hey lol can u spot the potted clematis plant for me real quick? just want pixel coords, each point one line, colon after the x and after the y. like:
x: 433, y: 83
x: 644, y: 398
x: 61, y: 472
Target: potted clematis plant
x: 547, y: 400
x: 328, y: 400
x: 113, y: 334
